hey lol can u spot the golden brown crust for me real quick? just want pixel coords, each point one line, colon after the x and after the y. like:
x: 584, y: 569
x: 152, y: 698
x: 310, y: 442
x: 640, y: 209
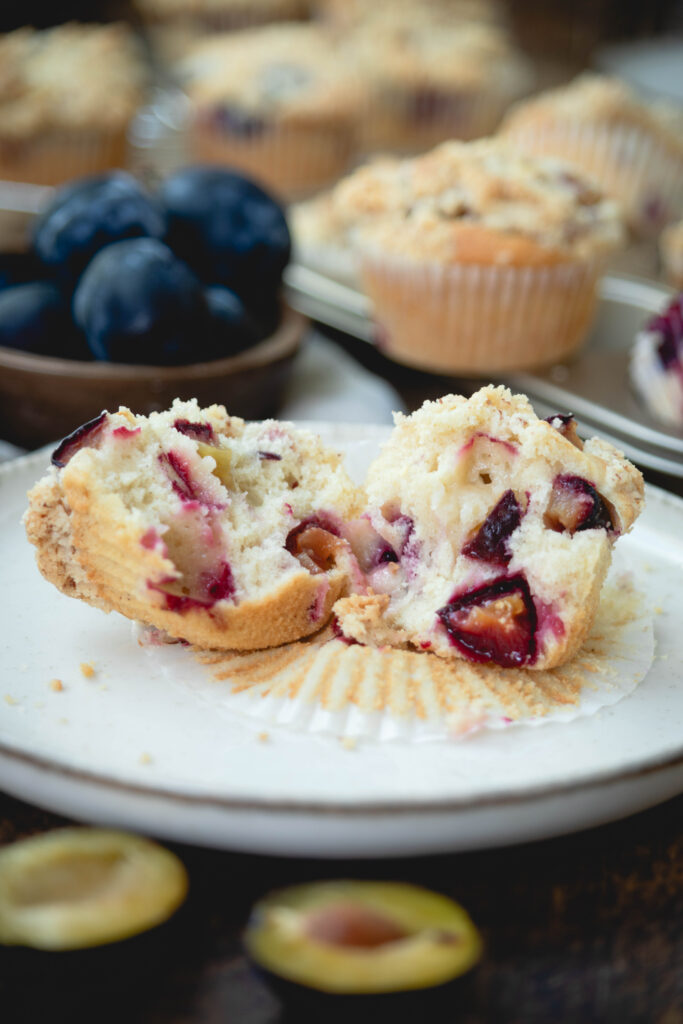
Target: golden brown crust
x: 82, y: 548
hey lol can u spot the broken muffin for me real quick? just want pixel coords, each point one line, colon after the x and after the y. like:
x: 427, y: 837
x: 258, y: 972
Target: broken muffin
x: 488, y: 533
x: 223, y: 533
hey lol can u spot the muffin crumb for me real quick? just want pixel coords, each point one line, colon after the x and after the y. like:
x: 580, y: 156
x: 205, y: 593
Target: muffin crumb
x: 87, y: 669
x: 56, y: 684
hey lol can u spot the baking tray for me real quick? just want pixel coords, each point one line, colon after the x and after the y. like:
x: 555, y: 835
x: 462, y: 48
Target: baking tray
x: 594, y: 385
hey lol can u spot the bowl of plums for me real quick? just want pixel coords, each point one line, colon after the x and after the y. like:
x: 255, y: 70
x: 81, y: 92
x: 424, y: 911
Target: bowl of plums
x: 124, y: 296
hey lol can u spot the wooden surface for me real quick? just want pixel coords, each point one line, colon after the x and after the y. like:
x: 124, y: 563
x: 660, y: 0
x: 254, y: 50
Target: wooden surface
x: 583, y: 928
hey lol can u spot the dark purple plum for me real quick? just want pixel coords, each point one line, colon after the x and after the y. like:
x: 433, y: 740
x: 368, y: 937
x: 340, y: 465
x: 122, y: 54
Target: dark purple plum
x: 494, y: 623
x: 232, y: 326
x: 490, y: 542
x: 137, y: 303
x: 228, y: 230
x: 36, y: 318
x: 20, y: 268
x: 84, y: 436
x: 575, y: 505
x: 89, y: 214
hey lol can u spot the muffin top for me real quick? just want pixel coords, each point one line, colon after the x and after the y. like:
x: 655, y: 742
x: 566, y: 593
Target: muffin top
x: 289, y: 70
x: 71, y: 77
x: 599, y: 99
x: 478, y: 202
x: 410, y: 48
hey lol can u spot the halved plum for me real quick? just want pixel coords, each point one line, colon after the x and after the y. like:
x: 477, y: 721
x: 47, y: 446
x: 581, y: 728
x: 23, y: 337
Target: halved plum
x: 490, y: 542
x: 82, y: 437
x: 575, y: 505
x: 494, y: 623
x: 315, y: 544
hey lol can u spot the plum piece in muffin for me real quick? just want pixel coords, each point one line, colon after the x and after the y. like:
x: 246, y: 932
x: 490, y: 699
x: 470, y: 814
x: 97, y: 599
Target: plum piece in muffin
x: 223, y: 533
x: 499, y: 528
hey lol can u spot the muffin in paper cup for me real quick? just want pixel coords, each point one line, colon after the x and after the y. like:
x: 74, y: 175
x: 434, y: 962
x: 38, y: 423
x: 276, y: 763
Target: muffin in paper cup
x: 478, y: 259
x: 276, y: 102
x: 431, y: 76
x: 68, y: 95
x: 633, y: 150
x: 325, y: 685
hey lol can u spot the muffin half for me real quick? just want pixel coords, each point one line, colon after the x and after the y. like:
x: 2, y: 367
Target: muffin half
x: 489, y: 533
x: 219, y: 532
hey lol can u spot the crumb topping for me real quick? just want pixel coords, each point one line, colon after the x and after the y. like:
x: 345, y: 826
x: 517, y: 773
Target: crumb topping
x: 70, y: 77
x: 599, y: 99
x: 285, y: 70
x: 431, y: 205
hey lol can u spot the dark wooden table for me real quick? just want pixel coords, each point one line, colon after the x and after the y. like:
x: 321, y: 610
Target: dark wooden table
x: 583, y: 928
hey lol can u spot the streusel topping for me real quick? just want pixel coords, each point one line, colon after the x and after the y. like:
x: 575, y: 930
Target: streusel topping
x: 598, y: 98
x: 427, y: 207
x: 287, y: 70
x: 71, y: 77
x: 409, y: 48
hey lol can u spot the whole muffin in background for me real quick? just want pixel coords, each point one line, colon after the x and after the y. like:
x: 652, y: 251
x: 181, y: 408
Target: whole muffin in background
x: 478, y: 259
x: 67, y: 96
x: 656, y: 366
x: 632, y: 148
x: 432, y: 76
x: 278, y: 103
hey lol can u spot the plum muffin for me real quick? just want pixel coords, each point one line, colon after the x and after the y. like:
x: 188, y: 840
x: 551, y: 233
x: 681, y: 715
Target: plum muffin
x: 656, y: 366
x: 223, y: 533
x: 488, y: 533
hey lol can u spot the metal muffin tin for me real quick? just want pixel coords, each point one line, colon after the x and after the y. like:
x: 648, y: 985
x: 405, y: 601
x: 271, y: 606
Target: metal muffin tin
x: 594, y: 385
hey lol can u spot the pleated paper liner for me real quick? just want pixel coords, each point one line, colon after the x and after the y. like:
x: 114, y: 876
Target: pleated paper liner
x: 324, y: 685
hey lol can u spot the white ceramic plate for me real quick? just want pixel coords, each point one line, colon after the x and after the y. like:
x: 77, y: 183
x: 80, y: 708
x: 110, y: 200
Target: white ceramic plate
x: 127, y: 747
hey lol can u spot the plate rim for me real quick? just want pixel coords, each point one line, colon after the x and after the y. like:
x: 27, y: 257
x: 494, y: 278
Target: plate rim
x: 205, y: 798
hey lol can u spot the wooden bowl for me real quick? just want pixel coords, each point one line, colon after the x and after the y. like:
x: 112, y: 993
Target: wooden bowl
x: 43, y: 398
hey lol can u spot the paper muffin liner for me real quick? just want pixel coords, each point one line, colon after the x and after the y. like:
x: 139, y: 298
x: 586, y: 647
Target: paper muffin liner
x: 293, y: 160
x: 55, y: 157
x: 474, y: 319
x: 325, y: 685
x: 630, y: 164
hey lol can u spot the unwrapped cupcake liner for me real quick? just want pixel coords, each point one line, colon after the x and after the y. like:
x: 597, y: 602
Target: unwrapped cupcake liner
x: 293, y: 160
x: 55, y: 157
x: 630, y: 164
x: 474, y: 319
x: 325, y: 685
